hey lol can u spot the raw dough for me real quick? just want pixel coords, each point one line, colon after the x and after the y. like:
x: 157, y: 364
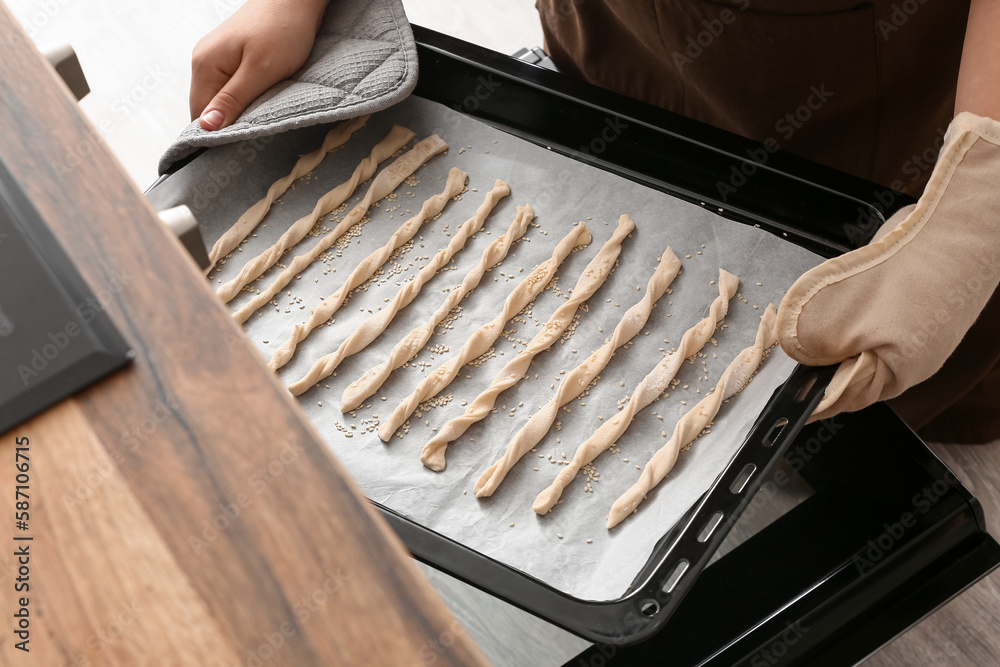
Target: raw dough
x: 235, y: 234
x: 648, y: 390
x: 736, y: 376
x: 371, y: 328
x: 481, y: 340
x: 406, y: 348
x: 364, y: 270
x: 383, y: 150
x: 590, y: 280
x: 383, y: 185
x: 580, y: 377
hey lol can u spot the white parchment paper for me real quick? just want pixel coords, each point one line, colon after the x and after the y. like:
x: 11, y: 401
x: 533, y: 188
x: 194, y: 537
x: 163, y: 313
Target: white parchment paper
x: 588, y: 561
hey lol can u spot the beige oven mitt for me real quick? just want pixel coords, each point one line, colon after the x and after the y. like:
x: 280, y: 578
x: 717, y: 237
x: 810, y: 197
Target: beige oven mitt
x: 893, y: 311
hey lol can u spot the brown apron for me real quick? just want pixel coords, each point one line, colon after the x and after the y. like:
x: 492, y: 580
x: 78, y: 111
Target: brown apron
x: 865, y: 87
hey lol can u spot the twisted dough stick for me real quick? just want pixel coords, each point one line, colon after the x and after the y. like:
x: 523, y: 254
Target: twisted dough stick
x: 383, y: 150
x: 736, y: 376
x: 387, y: 180
x: 483, y: 337
x: 334, y: 139
x: 580, y: 377
x: 372, y: 327
x: 364, y: 270
x: 406, y: 348
x: 590, y: 280
x: 651, y: 387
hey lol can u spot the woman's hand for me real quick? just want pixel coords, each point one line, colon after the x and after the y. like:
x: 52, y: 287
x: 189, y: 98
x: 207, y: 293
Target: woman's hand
x: 264, y: 42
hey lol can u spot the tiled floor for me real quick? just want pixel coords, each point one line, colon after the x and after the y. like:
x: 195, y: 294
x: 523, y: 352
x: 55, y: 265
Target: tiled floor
x: 136, y: 54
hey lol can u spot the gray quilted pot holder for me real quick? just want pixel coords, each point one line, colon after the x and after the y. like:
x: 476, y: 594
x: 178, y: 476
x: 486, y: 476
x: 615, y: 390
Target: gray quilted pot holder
x: 364, y: 60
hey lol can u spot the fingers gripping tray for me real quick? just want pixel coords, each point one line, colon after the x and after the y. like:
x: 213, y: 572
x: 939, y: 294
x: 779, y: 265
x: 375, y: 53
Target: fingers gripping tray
x: 364, y: 60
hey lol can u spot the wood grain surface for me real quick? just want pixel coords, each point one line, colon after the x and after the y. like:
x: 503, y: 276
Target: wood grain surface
x: 183, y: 511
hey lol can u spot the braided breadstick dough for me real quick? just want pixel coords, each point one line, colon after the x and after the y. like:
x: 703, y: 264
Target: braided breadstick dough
x: 486, y: 335
x: 364, y: 270
x: 372, y: 327
x: 593, y: 276
x: 383, y: 185
x: 249, y: 220
x: 648, y: 390
x: 580, y: 377
x: 406, y: 348
x: 736, y: 376
x: 383, y: 150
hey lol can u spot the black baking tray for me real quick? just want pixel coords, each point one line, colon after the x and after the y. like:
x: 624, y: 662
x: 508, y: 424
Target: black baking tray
x: 802, y: 568
x: 664, y: 152
x: 687, y: 160
x: 678, y: 557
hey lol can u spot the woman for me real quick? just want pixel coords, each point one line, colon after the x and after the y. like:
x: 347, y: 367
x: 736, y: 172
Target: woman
x: 869, y: 88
